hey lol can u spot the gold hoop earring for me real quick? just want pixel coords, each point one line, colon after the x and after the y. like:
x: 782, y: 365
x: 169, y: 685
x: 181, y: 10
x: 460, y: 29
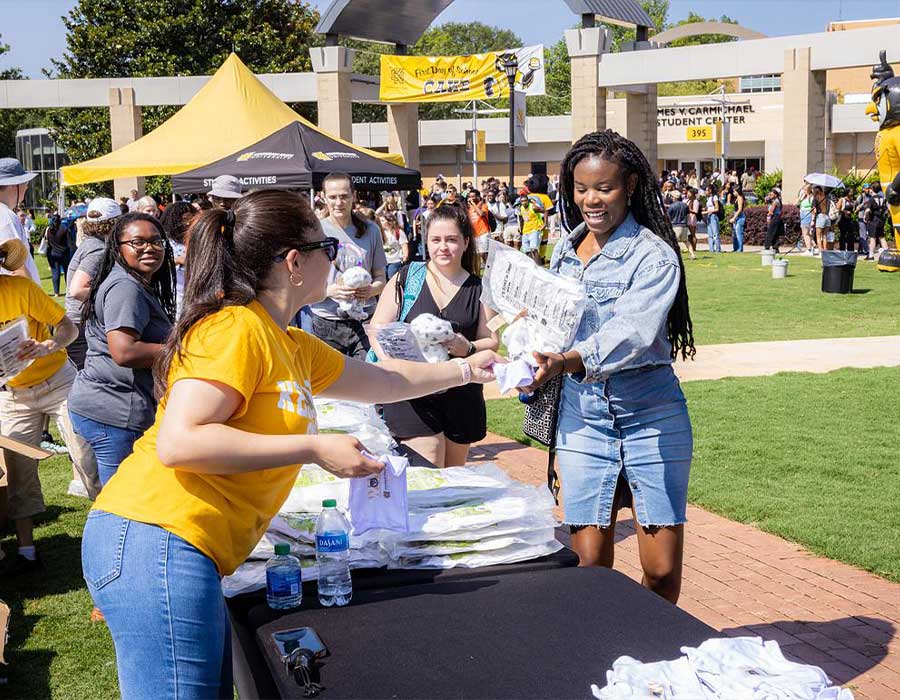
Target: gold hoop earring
x: 293, y: 282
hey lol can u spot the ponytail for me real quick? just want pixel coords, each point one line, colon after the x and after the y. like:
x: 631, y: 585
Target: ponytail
x: 230, y: 254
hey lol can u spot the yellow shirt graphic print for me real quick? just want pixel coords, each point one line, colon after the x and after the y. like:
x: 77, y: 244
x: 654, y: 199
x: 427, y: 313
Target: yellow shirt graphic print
x: 277, y: 373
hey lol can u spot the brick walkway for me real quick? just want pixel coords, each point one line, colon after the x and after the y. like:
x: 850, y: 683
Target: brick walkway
x: 745, y: 582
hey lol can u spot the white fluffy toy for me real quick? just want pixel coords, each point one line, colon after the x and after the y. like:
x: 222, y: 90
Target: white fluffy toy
x: 355, y: 278
x: 432, y: 333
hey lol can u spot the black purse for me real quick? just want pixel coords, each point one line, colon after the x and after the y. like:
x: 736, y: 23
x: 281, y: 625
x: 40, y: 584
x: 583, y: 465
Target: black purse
x: 540, y: 422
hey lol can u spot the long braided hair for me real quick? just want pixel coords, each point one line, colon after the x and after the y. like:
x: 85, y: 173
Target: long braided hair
x: 162, y: 286
x: 646, y: 208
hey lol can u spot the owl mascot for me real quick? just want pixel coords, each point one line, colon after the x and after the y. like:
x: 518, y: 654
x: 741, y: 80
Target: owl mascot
x: 885, y: 109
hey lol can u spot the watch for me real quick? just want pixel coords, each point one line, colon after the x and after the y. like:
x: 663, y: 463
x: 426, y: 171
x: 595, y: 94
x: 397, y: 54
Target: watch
x: 472, y: 349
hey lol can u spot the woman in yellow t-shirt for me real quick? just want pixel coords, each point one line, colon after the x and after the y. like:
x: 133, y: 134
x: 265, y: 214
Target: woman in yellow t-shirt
x: 234, y: 423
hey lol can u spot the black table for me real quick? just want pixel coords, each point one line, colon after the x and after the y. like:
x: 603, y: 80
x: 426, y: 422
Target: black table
x: 540, y: 630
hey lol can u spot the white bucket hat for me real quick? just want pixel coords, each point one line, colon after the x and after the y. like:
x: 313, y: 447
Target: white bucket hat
x: 12, y: 173
x: 226, y: 187
x: 103, y: 209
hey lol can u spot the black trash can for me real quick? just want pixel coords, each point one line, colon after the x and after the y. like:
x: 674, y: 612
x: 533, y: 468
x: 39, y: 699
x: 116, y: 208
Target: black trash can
x: 838, y: 267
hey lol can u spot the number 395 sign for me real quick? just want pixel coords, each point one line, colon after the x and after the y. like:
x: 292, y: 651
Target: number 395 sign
x: 700, y: 133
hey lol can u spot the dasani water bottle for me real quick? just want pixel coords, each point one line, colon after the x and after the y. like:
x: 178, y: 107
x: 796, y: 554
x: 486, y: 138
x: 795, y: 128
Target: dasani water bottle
x: 283, y: 586
x: 333, y: 555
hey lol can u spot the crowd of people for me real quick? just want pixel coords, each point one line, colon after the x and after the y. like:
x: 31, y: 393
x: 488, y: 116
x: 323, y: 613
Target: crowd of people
x: 183, y: 387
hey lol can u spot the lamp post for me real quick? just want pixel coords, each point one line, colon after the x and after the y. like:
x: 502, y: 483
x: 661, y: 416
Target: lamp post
x: 510, y: 64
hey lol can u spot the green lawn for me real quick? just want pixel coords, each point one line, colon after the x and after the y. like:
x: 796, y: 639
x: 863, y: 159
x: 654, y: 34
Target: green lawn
x: 735, y: 300
x: 54, y: 650
x: 809, y: 457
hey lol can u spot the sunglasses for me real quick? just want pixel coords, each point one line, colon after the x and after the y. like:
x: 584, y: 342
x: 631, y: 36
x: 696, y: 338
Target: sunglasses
x: 329, y: 245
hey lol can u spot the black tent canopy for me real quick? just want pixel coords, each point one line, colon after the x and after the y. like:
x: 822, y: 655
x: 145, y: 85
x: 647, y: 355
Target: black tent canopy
x: 299, y: 157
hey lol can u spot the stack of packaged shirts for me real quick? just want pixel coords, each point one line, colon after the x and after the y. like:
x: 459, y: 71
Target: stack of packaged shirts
x: 458, y: 517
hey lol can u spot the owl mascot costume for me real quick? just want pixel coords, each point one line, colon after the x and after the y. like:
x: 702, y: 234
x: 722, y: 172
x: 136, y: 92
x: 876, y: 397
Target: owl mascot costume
x: 885, y: 109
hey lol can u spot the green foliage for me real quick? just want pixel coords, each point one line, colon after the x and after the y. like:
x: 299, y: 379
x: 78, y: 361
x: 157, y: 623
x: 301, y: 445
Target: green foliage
x: 558, y: 81
x: 146, y: 38
x: 694, y: 18
x: 11, y: 120
x: 766, y: 181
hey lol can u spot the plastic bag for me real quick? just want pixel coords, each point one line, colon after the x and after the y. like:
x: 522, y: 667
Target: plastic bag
x: 471, y: 560
x: 355, y: 278
x: 512, y: 283
x: 406, y: 549
x: 433, y: 334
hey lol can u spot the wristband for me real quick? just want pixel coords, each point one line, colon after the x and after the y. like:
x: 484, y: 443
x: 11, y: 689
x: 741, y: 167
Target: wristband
x: 464, y: 368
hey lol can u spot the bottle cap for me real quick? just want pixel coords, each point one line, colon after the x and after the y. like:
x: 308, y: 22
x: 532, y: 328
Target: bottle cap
x: 282, y: 549
x: 329, y: 503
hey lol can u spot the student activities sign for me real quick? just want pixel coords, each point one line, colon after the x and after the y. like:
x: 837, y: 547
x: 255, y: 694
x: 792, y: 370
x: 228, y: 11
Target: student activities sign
x: 459, y: 78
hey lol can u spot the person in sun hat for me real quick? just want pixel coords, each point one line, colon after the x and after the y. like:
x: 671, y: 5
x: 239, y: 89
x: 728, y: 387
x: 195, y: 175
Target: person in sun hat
x: 225, y: 189
x: 14, y: 181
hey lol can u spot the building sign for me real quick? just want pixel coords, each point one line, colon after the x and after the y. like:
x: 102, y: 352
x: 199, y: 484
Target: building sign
x: 700, y: 133
x: 703, y: 115
x: 458, y: 78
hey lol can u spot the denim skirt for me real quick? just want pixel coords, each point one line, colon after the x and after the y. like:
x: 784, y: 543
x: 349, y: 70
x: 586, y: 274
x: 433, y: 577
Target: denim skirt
x: 636, y: 423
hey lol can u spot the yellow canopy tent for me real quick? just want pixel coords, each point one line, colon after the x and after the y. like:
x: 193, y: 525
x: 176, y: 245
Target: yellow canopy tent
x: 233, y: 110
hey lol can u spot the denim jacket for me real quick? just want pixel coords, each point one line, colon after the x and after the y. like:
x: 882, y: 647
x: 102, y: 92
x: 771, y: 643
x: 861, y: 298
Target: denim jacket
x: 631, y: 285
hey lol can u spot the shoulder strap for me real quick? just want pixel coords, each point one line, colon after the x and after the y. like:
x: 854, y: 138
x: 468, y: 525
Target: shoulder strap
x: 415, y: 280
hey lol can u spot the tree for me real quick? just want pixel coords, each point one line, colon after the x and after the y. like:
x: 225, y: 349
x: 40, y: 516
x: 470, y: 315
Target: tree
x: 10, y: 119
x: 147, y: 38
x: 694, y: 18
x: 558, y: 82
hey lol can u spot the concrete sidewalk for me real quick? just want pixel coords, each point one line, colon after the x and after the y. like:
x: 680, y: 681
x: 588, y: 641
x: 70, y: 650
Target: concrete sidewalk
x: 758, y: 359
x: 746, y: 582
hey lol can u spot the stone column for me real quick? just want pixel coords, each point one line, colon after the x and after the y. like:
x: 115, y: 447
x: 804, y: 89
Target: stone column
x: 333, y: 66
x: 586, y: 46
x: 805, y: 120
x: 403, y: 132
x: 640, y: 122
x: 125, y: 127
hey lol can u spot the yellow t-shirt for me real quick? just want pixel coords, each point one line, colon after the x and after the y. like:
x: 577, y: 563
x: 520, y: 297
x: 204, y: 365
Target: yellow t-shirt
x: 277, y: 373
x: 532, y: 218
x: 22, y: 297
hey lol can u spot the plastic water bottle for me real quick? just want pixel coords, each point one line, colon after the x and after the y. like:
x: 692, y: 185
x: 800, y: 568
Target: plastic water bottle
x: 333, y: 555
x: 283, y: 589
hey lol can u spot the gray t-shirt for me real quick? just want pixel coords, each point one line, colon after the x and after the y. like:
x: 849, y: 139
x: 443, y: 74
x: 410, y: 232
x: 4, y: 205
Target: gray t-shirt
x: 369, y: 249
x: 87, y: 259
x: 105, y: 391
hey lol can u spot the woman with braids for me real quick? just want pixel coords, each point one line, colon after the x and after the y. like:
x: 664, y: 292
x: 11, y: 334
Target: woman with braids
x: 127, y: 317
x: 624, y: 434
x: 175, y: 220
x: 235, y: 421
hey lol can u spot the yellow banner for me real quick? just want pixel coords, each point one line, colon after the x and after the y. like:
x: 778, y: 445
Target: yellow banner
x: 441, y: 78
x: 459, y: 78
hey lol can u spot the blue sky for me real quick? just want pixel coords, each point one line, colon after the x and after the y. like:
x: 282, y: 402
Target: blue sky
x: 35, y: 32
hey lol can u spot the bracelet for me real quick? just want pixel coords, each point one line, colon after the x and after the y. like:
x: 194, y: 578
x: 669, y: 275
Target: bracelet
x: 465, y: 368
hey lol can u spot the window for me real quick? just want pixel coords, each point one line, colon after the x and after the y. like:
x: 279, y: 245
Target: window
x: 761, y: 83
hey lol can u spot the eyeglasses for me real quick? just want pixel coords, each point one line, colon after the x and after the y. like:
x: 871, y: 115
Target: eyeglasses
x: 139, y: 245
x: 329, y: 245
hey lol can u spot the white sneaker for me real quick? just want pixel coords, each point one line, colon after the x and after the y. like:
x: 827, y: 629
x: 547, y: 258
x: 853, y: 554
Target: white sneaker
x: 76, y: 488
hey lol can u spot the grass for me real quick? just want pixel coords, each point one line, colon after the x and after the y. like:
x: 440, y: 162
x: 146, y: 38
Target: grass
x: 735, y: 300
x: 54, y: 650
x: 809, y: 457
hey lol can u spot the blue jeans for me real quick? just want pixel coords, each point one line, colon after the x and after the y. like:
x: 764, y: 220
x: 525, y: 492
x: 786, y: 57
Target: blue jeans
x: 712, y: 234
x: 162, y: 600
x: 738, y: 234
x: 57, y: 269
x: 111, y: 445
x: 392, y: 269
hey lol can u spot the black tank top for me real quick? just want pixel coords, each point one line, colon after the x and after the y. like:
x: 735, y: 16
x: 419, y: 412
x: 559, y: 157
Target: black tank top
x: 462, y: 311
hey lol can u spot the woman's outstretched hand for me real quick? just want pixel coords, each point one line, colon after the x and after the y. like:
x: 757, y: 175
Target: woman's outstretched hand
x: 342, y: 455
x: 482, y: 364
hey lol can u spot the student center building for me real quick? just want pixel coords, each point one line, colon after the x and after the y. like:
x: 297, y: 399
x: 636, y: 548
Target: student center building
x: 795, y: 103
